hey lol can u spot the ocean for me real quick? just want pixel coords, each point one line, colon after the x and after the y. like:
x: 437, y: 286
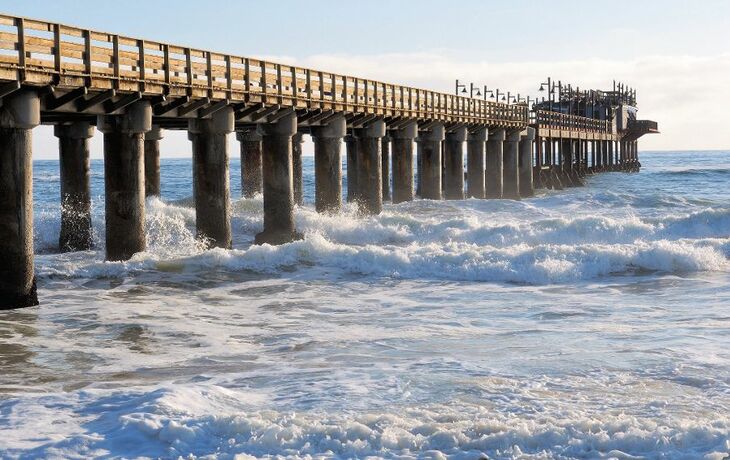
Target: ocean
x: 592, y: 322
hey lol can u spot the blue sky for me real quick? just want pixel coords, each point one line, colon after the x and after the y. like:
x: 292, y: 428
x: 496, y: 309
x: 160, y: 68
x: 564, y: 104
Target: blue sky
x: 676, y: 53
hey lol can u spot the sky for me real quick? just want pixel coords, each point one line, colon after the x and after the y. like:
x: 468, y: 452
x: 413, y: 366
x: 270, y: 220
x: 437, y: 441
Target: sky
x: 675, y: 53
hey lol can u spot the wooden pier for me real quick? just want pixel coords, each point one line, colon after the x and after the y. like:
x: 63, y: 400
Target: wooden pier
x: 133, y: 89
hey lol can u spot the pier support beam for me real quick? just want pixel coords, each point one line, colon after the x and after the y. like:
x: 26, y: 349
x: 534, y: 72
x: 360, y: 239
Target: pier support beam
x: 19, y: 114
x: 328, y: 165
x: 124, y: 179
x: 454, y: 164
x: 475, y: 147
x: 495, y: 163
x: 403, y: 162
x: 278, y: 181
x: 511, y: 175
x: 527, y: 187
x: 429, y: 149
x: 369, y: 167
x: 152, y: 161
x: 298, y: 168
x: 385, y: 167
x: 351, y: 146
x: 73, y: 140
x: 211, y: 177
x: 251, y: 175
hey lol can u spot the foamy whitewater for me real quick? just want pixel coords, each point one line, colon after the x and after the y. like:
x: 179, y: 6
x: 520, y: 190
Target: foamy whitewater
x: 588, y: 323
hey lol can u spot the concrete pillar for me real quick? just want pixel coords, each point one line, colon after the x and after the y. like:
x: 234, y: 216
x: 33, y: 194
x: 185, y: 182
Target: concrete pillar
x: 419, y: 169
x: 73, y: 140
x: 403, y: 162
x: 537, y: 168
x: 124, y: 179
x: 19, y: 114
x: 580, y: 152
x: 211, y: 185
x: 152, y: 161
x: 278, y: 181
x: 527, y: 187
x: 475, y: 147
x: 369, y: 167
x: 454, y: 164
x: 298, y: 168
x: 609, y: 153
x: 251, y: 175
x: 429, y: 148
x: 351, y: 167
x: 593, y: 156
x: 511, y: 172
x: 328, y: 165
x: 495, y: 163
x: 385, y: 167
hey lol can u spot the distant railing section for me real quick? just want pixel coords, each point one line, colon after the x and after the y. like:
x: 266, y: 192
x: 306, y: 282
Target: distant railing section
x: 43, y: 53
x: 556, y: 120
x: 643, y: 126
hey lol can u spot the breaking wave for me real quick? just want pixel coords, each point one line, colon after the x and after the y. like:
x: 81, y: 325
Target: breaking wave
x: 514, y: 242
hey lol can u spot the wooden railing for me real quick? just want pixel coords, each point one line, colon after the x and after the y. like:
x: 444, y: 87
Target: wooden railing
x: 545, y: 119
x: 40, y: 53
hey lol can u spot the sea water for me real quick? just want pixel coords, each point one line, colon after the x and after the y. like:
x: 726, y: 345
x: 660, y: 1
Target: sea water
x: 592, y: 322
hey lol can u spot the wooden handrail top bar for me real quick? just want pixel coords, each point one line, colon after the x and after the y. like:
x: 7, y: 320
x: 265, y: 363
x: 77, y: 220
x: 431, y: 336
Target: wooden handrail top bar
x: 39, y: 53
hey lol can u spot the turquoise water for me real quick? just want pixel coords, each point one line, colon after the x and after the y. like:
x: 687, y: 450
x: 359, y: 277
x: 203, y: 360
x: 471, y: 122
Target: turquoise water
x: 588, y: 323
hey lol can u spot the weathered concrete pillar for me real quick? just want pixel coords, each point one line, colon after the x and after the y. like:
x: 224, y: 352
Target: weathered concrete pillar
x: 298, y: 168
x: 351, y: 146
x: 611, y: 156
x: 73, y: 140
x: 527, y: 187
x: 475, y: 147
x: 511, y: 174
x: 211, y: 185
x: 419, y: 169
x: 369, y: 163
x: 251, y: 175
x: 537, y: 176
x: 429, y: 148
x: 579, y: 157
x: 152, y: 161
x: 454, y: 164
x: 592, y: 167
x: 403, y: 162
x: 328, y: 164
x: 124, y: 179
x: 385, y: 167
x: 566, y: 156
x: 19, y: 114
x: 547, y: 174
x: 495, y: 163
x: 278, y: 181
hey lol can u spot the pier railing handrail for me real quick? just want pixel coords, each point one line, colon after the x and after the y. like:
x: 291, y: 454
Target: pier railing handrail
x: 38, y: 53
x: 558, y: 120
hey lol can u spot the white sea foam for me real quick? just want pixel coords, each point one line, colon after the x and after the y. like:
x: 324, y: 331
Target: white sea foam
x: 597, y: 328
x: 211, y: 421
x: 408, y: 242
